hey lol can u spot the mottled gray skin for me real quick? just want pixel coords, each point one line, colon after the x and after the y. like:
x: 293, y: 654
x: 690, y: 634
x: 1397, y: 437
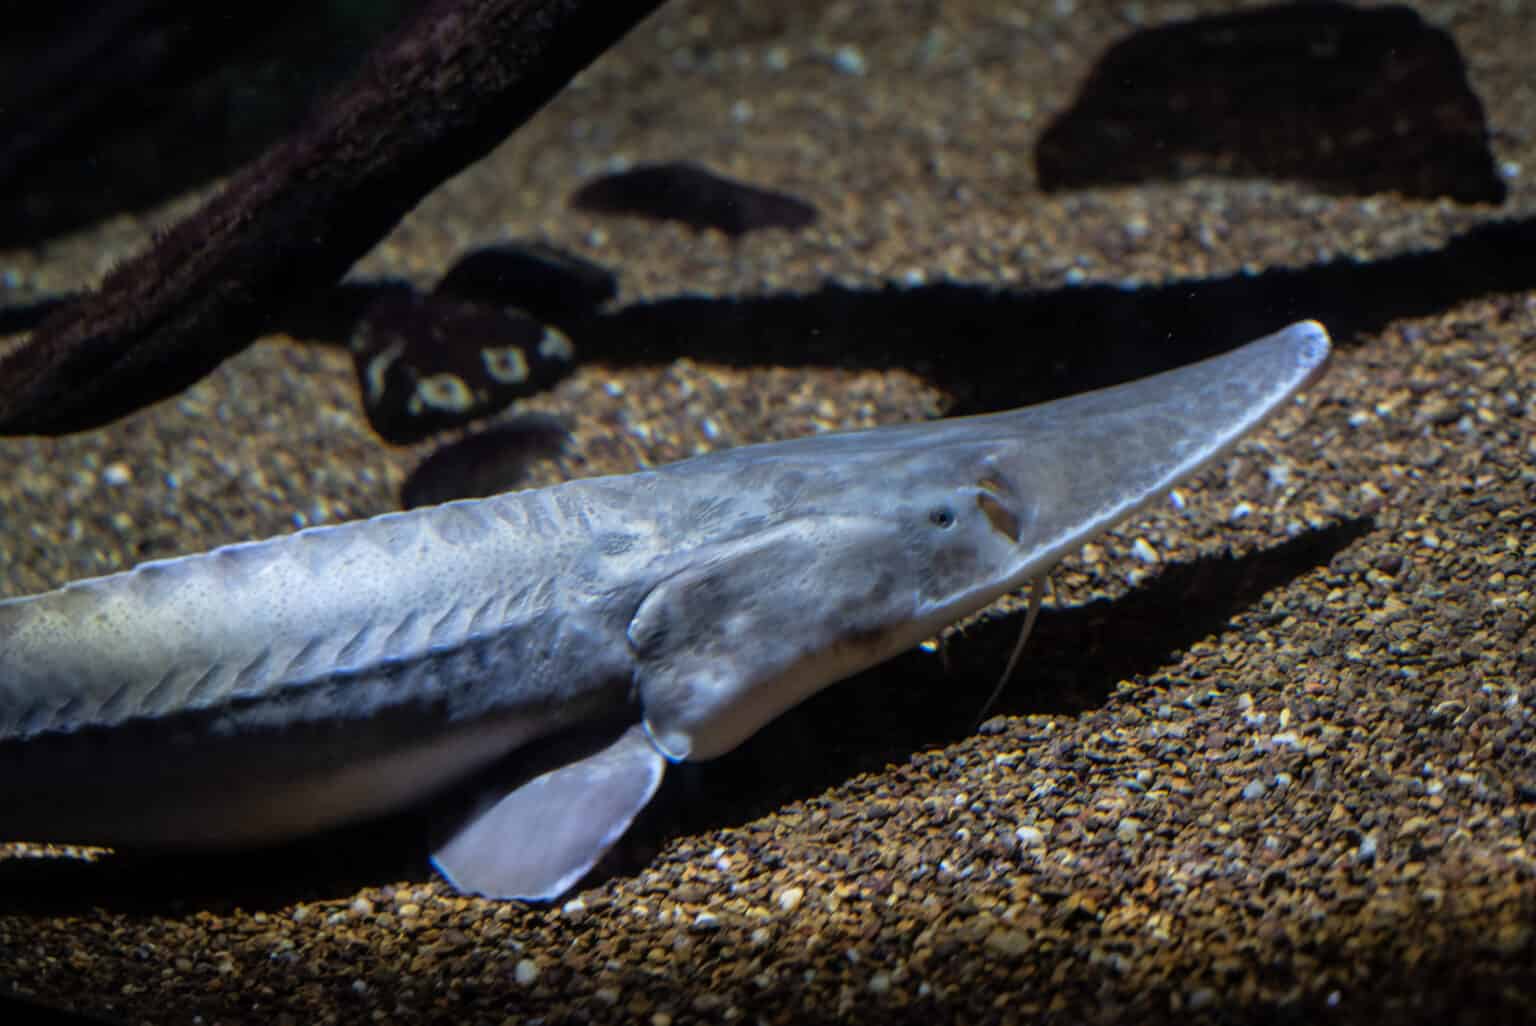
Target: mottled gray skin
x: 271, y: 689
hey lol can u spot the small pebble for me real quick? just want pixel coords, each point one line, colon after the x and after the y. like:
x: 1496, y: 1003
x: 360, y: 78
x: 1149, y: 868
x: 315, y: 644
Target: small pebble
x: 849, y: 60
x: 1029, y: 837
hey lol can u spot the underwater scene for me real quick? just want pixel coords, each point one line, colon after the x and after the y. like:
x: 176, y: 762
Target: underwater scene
x: 558, y: 511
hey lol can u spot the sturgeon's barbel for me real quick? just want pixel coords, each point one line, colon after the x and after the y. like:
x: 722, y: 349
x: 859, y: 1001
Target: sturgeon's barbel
x: 271, y: 689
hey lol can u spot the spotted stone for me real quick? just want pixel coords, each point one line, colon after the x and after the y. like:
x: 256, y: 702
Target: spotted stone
x: 427, y: 363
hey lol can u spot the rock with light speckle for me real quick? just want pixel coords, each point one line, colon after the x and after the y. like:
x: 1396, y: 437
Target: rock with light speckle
x: 427, y: 363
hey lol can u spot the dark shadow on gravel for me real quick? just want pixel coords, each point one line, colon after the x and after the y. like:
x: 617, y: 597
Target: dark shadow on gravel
x: 992, y: 349
x: 324, y: 867
x: 19, y: 1010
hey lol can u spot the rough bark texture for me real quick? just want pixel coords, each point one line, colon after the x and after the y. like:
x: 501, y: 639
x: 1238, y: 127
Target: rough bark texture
x: 436, y: 96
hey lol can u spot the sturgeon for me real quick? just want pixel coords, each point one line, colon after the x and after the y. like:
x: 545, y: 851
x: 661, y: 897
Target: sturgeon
x: 271, y: 689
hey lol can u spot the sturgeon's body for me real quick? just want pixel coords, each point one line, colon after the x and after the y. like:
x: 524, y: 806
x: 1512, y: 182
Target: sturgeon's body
x: 271, y: 689
x: 268, y: 689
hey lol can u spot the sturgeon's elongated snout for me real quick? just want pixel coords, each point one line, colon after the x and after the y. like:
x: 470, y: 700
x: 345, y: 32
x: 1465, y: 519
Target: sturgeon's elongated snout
x: 1086, y: 462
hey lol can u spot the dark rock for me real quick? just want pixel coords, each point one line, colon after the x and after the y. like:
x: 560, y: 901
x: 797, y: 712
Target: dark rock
x: 544, y: 280
x: 684, y: 191
x: 1355, y: 100
x: 487, y: 462
x: 428, y: 363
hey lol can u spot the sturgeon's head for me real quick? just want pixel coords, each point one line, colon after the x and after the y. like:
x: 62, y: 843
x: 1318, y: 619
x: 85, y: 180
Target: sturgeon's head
x: 901, y: 531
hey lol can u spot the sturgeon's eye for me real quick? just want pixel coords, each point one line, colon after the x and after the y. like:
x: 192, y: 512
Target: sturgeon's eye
x: 941, y: 516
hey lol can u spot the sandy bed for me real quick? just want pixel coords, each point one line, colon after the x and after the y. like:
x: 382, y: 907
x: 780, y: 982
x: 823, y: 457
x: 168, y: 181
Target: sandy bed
x: 1284, y: 771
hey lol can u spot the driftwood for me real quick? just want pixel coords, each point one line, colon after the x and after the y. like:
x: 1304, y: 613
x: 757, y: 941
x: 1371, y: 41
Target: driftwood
x: 439, y: 94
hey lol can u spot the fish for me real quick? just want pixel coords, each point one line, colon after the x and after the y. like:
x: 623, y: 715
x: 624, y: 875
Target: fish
x: 267, y: 690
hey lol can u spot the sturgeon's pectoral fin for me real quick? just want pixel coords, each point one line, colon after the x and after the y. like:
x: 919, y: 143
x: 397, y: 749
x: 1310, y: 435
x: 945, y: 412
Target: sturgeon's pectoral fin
x: 539, y: 839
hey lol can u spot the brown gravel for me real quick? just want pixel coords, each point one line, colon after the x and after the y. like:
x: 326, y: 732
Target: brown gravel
x: 1272, y: 756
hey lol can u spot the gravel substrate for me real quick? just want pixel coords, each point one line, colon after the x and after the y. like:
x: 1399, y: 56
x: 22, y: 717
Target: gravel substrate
x: 1270, y: 757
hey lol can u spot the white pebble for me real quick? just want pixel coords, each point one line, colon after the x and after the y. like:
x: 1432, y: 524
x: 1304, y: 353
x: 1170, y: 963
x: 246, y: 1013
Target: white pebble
x: 1029, y: 837
x: 849, y: 60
